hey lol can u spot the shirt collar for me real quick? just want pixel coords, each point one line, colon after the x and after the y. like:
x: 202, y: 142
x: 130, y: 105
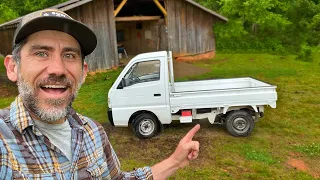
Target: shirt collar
x: 20, y: 117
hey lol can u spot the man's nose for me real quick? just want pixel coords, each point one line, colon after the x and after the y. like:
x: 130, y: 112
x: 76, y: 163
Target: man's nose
x: 56, y: 66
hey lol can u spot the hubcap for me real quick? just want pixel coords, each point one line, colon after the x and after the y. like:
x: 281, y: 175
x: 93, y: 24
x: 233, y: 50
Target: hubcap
x: 240, y: 125
x: 146, y: 127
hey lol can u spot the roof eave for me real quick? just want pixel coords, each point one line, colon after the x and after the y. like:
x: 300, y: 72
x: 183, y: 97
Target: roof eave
x: 208, y: 10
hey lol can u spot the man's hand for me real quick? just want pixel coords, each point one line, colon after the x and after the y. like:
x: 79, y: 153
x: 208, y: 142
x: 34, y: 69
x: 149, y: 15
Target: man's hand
x: 186, y: 151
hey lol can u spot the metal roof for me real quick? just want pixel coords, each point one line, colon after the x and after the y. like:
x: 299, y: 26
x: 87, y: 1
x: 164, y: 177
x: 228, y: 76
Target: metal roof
x: 75, y: 3
x: 207, y: 10
x: 62, y: 7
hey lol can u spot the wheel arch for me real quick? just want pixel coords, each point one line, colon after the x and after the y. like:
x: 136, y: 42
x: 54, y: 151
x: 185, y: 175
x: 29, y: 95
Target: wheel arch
x: 248, y: 108
x: 134, y: 115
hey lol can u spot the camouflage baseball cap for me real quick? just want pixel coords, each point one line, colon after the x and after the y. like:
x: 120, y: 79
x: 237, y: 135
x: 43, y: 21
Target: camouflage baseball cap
x: 53, y: 19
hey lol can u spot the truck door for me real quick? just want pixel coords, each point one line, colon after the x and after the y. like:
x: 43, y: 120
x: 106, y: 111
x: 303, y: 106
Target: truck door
x: 143, y: 88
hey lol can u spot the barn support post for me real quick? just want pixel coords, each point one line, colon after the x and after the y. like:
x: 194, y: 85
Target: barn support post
x: 163, y: 10
x: 120, y: 7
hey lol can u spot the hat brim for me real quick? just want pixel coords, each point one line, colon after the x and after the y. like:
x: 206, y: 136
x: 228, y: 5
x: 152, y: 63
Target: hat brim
x: 84, y: 35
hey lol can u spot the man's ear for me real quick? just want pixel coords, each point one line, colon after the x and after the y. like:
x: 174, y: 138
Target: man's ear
x: 85, y: 71
x: 12, y: 68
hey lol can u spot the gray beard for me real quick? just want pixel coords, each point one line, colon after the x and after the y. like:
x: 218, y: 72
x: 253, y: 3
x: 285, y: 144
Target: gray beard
x: 52, y: 114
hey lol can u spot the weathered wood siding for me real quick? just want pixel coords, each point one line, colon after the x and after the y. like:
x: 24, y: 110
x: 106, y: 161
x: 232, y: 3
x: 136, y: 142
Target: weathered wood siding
x: 6, y: 38
x: 151, y: 37
x: 98, y: 15
x: 190, y: 29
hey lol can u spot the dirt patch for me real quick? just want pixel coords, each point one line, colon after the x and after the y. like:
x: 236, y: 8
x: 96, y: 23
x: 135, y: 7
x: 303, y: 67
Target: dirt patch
x: 8, y: 91
x: 198, y: 57
x: 161, y: 146
x: 297, y: 163
x: 7, y: 88
x: 184, y: 69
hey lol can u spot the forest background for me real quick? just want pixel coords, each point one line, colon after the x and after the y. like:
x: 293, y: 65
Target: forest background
x: 255, y: 26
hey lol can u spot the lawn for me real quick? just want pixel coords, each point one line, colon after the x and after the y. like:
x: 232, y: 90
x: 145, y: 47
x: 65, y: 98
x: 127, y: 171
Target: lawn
x: 2, y: 68
x: 8, y: 90
x: 285, y: 144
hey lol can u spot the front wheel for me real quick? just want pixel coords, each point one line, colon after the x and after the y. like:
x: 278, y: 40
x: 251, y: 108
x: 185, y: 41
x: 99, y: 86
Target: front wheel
x: 145, y: 126
x: 239, y: 123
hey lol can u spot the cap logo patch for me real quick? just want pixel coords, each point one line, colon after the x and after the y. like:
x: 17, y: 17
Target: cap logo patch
x: 54, y: 13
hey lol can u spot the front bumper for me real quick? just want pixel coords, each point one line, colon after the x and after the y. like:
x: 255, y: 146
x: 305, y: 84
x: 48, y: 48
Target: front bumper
x: 110, y: 117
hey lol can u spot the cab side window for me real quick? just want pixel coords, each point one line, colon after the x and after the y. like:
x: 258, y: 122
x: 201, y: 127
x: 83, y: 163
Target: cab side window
x: 141, y: 72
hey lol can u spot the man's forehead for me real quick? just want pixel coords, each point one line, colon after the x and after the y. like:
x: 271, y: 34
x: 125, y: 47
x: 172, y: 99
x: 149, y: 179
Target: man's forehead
x: 52, y: 38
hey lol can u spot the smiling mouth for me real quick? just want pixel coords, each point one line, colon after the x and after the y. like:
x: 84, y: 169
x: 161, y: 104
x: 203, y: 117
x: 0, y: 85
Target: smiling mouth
x: 54, y: 89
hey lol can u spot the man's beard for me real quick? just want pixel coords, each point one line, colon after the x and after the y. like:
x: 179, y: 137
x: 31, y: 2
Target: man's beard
x: 55, y: 112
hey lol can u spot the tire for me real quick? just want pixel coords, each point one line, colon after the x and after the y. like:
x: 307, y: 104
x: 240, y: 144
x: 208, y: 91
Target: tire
x: 145, y: 126
x: 239, y: 123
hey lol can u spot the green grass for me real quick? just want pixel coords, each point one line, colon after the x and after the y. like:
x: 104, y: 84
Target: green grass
x: 5, y: 100
x: 312, y: 149
x: 93, y: 96
x: 2, y: 68
x: 290, y: 131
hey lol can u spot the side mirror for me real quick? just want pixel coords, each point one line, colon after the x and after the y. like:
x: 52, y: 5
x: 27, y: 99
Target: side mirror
x: 122, y: 84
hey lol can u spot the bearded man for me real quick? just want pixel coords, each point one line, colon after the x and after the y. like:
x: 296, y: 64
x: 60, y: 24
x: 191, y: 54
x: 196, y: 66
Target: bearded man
x: 41, y: 136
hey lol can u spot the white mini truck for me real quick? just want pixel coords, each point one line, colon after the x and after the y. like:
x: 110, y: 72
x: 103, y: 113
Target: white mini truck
x: 146, y: 96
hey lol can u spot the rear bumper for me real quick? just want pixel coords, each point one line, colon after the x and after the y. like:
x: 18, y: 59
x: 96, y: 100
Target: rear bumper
x: 110, y: 117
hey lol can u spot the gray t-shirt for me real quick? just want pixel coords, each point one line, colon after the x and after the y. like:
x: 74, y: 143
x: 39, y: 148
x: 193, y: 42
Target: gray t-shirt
x: 58, y: 134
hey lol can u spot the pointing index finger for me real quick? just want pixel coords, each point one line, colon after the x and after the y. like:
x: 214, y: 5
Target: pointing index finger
x: 191, y: 133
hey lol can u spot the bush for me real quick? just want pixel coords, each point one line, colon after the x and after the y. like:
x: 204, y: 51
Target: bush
x: 252, y: 44
x: 305, y: 54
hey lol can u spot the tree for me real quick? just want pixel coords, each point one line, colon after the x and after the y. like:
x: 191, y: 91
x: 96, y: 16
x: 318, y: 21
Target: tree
x: 14, y: 8
x: 6, y: 13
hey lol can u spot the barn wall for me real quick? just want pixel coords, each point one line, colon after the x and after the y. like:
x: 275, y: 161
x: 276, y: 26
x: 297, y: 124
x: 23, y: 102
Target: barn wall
x: 6, y: 38
x: 190, y: 29
x: 151, y: 37
x: 98, y: 15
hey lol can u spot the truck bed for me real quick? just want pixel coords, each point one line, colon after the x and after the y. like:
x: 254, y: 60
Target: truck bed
x: 222, y: 93
x: 208, y: 85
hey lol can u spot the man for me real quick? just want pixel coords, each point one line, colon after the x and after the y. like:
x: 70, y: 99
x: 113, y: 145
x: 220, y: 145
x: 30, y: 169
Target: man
x: 41, y: 136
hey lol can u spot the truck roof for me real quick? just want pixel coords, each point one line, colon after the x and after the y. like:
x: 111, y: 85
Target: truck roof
x: 151, y: 55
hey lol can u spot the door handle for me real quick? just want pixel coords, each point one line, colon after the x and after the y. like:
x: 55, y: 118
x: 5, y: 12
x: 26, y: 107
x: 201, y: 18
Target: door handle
x: 157, y: 95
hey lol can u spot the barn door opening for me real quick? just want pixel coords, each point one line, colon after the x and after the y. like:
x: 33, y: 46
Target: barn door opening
x: 140, y: 26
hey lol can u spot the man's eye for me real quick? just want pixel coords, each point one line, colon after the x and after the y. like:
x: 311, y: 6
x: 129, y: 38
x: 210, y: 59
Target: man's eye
x: 41, y: 54
x: 69, y: 56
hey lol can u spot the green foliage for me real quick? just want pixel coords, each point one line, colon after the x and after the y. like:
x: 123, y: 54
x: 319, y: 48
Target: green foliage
x: 15, y: 8
x: 34, y: 5
x: 277, y: 26
x: 252, y: 44
x: 6, y: 13
x: 305, y: 54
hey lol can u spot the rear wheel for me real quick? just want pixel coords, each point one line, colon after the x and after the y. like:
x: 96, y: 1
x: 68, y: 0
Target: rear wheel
x: 239, y: 123
x: 145, y: 126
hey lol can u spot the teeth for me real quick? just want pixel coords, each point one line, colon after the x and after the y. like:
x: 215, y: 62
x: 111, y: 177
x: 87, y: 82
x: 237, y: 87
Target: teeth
x: 54, y: 86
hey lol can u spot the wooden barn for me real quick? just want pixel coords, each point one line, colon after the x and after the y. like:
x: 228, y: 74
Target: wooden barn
x: 138, y: 26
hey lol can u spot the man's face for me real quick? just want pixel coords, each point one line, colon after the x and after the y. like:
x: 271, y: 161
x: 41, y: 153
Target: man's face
x: 50, y: 73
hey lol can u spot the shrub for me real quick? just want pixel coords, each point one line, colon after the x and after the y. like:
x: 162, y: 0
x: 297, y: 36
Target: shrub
x: 305, y: 54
